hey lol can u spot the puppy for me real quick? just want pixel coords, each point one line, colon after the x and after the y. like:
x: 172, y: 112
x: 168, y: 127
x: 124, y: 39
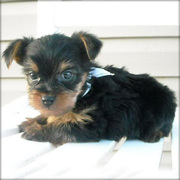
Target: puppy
x: 79, y: 101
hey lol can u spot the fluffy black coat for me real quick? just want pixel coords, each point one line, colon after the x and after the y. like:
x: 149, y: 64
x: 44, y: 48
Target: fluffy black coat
x: 135, y: 106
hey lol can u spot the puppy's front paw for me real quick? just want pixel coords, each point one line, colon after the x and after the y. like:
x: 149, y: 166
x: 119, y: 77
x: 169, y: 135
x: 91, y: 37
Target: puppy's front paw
x: 34, y: 133
x: 25, y: 124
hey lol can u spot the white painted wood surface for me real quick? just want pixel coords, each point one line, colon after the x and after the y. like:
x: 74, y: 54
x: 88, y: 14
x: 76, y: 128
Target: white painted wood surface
x: 37, y: 160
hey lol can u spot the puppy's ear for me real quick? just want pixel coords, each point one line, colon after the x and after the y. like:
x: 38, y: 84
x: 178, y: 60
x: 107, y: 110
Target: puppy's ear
x: 91, y: 43
x: 16, y: 51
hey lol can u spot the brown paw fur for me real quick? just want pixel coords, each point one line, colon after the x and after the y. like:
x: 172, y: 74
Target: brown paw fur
x: 25, y: 124
x: 34, y: 132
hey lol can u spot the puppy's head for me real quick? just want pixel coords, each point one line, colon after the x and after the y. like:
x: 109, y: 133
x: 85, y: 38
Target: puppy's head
x: 56, y: 68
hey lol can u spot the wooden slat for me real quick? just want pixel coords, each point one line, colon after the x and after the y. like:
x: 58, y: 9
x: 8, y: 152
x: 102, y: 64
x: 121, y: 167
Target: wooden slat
x: 18, y: 19
x: 15, y: 71
x: 155, y: 64
x: 136, y: 156
x: 153, y: 44
x: 12, y: 89
x: 129, y: 31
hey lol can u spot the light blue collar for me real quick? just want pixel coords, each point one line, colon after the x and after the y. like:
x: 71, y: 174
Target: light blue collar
x: 96, y: 72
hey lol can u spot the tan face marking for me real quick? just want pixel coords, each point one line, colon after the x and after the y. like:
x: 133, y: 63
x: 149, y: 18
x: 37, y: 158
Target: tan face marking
x: 65, y: 65
x: 63, y: 103
x: 32, y: 65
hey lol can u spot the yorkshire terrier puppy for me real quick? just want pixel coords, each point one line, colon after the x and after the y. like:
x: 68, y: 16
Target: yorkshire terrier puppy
x: 79, y: 101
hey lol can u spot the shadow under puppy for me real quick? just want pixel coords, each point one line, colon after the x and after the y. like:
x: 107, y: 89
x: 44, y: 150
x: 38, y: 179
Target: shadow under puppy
x: 79, y: 101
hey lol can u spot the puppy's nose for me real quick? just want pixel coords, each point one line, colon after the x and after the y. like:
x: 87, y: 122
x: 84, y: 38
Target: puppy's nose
x: 48, y: 100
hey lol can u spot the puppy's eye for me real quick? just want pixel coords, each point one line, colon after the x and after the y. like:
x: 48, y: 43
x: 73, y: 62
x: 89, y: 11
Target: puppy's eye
x: 33, y: 76
x: 67, y: 75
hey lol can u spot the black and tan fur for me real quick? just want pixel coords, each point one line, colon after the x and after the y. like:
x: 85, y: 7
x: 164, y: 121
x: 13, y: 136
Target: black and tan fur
x: 57, y: 68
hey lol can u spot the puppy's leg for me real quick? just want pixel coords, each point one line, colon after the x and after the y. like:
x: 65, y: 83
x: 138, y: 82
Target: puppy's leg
x: 30, y: 121
x: 61, y: 131
x: 59, y: 134
x: 154, y: 136
x: 164, y: 131
x: 35, y: 132
x: 73, y: 132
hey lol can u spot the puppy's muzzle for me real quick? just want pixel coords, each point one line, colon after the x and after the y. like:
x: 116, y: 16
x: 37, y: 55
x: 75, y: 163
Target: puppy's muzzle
x: 48, y: 100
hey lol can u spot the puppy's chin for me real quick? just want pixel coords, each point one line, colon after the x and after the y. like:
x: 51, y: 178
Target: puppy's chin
x: 63, y: 103
x: 47, y: 112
